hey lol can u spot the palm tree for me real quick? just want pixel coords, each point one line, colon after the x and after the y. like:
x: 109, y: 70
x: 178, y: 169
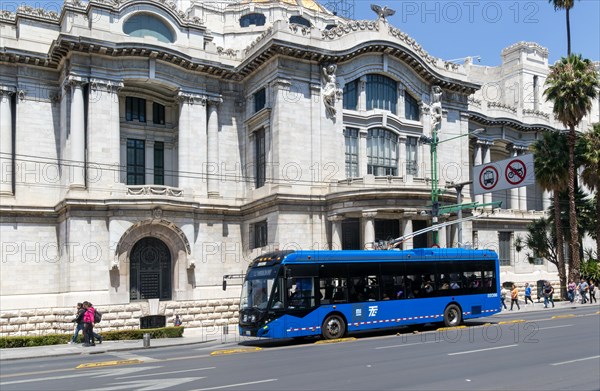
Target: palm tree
x: 566, y: 5
x: 572, y: 85
x: 550, y: 162
x: 591, y: 170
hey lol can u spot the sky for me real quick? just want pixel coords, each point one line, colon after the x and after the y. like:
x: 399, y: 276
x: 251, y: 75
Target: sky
x: 453, y: 30
x: 457, y: 29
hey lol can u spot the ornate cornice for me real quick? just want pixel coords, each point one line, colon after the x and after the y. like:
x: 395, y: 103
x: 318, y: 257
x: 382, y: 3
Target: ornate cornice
x: 103, y: 85
x: 191, y: 98
x: 511, y: 122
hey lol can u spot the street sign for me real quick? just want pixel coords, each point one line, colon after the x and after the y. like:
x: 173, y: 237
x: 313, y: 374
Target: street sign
x: 504, y: 174
x: 488, y: 177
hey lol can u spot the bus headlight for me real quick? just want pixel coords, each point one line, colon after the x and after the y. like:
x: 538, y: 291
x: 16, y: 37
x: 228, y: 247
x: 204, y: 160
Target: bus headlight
x: 253, y: 318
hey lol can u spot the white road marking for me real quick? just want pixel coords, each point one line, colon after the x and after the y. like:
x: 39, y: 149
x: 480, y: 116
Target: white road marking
x: 481, y: 350
x: 405, y: 344
x: 555, y: 327
x: 236, y: 385
x: 147, y: 385
x: 164, y: 373
x: 572, y: 361
x: 58, y: 377
x: 131, y: 356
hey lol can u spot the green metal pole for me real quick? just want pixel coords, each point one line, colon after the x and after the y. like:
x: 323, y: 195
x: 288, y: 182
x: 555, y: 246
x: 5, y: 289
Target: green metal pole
x: 434, y: 185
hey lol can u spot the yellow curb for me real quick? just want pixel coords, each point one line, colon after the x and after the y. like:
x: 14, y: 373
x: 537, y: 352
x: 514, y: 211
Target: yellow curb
x: 108, y: 363
x: 518, y: 321
x: 451, y: 328
x: 563, y: 316
x: 598, y: 312
x: 337, y: 340
x: 234, y: 351
x: 486, y: 324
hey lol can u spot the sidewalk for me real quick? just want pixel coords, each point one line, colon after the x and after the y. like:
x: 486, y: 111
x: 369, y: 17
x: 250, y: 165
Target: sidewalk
x: 540, y: 307
x: 216, y: 335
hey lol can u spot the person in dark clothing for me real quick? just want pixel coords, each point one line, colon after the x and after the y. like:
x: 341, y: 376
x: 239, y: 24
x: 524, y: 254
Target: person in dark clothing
x: 78, y: 320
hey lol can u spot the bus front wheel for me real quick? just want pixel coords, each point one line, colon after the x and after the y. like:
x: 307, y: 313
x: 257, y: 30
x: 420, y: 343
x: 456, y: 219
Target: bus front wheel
x: 333, y: 327
x: 452, y: 315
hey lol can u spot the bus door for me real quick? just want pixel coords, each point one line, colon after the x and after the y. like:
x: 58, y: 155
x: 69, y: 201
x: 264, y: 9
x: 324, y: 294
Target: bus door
x: 302, y: 298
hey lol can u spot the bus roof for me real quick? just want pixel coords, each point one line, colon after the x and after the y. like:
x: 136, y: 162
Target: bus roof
x: 419, y: 254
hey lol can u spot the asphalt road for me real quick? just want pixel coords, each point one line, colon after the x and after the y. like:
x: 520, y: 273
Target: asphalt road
x: 554, y: 350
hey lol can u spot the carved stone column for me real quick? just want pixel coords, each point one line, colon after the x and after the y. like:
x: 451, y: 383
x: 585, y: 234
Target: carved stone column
x: 442, y: 237
x: 213, y: 148
x: 6, y: 141
x: 149, y: 161
x: 362, y: 153
x: 477, y: 161
x: 487, y: 158
x: 522, y: 189
x: 369, y: 230
x: 514, y: 193
x: 546, y: 199
x: 362, y: 94
x: 191, y: 142
x: 336, y: 231
x: 77, y: 133
x: 103, y: 134
x: 407, y: 228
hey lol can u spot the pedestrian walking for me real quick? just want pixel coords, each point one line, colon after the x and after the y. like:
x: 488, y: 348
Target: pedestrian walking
x: 548, y: 294
x: 571, y: 291
x: 583, y: 290
x: 503, y: 294
x: 528, y: 293
x: 88, y: 324
x: 177, y: 321
x: 78, y: 320
x: 514, y: 297
x: 592, y: 292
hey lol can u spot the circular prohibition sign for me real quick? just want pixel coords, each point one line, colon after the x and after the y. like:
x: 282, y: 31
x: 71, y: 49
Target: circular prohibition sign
x: 488, y: 177
x: 515, y: 172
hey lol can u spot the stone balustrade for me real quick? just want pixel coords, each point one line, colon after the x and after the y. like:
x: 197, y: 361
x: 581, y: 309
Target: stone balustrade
x: 57, y: 320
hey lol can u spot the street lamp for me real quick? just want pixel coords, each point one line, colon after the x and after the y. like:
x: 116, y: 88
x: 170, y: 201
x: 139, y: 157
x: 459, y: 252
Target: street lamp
x: 435, y: 191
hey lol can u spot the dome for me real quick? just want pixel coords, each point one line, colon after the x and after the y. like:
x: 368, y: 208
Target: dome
x: 308, y: 4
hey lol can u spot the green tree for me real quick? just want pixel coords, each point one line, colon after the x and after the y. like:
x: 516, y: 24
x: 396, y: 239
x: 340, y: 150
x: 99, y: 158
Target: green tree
x: 591, y: 171
x: 565, y: 5
x: 550, y: 162
x: 572, y: 85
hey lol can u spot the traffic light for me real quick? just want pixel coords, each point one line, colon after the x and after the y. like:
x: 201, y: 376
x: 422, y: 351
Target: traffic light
x: 435, y: 209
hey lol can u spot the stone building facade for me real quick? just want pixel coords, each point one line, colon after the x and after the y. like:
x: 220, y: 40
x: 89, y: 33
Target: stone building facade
x: 149, y: 149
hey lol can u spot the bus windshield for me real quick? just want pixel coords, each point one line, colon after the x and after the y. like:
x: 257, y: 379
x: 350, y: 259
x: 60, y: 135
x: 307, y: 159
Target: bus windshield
x: 258, y: 286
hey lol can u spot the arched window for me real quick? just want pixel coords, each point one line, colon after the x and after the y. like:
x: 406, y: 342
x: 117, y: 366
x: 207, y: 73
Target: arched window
x: 382, y: 152
x: 382, y: 93
x: 147, y: 25
x: 299, y: 20
x: 350, y: 101
x: 252, y: 20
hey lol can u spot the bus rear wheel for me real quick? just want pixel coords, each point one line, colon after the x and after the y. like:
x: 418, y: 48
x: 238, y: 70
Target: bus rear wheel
x: 333, y: 327
x: 452, y: 316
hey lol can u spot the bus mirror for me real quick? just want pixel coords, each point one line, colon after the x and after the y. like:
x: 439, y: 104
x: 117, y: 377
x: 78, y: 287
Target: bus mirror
x: 224, y: 284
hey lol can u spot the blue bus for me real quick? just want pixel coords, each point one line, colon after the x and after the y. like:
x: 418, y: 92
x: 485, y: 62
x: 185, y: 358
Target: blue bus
x: 293, y: 294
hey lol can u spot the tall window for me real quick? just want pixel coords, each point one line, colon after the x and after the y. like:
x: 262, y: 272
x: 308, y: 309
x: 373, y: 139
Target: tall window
x: 135, y: 109
x: 136, y: 162
x: 382, y: 152
x: 350, y: 100
x: 158, y: 113
x: 382, y: 93
x: 261, y: 158
x: 504, y: 248
x: 411, y: 107
x: 351, y: 139
x: 412, y: 165
x: 260, y: 99
x: 252, y: 19
x: 159, y: 163
x: 258, y: 234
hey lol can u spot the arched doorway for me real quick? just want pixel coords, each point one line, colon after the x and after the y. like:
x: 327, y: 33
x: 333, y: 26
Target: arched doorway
x: 150, y: 270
